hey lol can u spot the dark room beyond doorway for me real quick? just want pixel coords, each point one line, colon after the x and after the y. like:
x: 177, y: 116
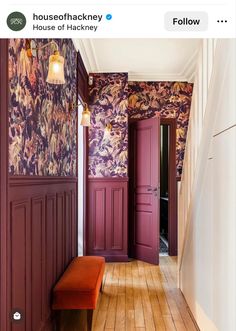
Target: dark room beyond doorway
x: 164, y: 192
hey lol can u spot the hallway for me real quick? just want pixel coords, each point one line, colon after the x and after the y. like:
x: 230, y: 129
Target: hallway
x: 139, y: 296
x: 70, y: 187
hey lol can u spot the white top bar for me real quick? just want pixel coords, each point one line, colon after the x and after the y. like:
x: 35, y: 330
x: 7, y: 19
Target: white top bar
x: 129, y: 21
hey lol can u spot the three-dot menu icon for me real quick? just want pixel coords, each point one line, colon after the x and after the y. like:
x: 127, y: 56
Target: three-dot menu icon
x: 222, y: 21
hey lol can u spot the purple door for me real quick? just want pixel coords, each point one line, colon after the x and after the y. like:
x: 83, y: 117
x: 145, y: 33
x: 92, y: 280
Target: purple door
x: 145, y: 186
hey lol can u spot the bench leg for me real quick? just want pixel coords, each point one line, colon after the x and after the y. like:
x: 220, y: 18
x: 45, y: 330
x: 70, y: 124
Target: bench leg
x: 57, y: 320
x: 101, y: 287
x: 89, y: 319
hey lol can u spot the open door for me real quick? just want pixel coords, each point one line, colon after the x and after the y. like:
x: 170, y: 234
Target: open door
x: 144, y: 192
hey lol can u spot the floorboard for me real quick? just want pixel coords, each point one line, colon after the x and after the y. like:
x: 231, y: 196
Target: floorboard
x: 138, y: 296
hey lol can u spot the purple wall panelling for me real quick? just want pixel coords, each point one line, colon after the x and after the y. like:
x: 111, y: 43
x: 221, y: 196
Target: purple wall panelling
x: 41, y: 230
x: 107, y: 217
x: 40, y: 244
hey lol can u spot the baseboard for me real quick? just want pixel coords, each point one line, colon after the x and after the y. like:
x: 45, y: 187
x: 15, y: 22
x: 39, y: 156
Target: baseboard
x: 199, y: 317
x: 116, y: 258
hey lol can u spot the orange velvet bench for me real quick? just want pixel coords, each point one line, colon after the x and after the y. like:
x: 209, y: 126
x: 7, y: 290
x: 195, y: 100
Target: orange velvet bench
x: 79, y: 286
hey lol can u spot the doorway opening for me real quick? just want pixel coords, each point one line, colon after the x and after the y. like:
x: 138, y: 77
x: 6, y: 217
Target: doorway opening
x: 164, y: 188
x: 168, y: 184
x: 168, y: 187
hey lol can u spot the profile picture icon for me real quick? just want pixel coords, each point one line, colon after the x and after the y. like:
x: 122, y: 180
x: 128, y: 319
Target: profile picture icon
x: 16, y: 21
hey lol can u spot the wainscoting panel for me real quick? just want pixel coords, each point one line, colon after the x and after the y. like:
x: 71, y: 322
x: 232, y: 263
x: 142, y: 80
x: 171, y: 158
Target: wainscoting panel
x: 38, y: 263
x: 107, y: 207
x: 115, y: 231
x: 50, y: 249
x: 42, y: 241
x: 74, y: 223
x: 20, y: 268
x: 67, y: 227
x: 99, y: 219
x: 60, y: 233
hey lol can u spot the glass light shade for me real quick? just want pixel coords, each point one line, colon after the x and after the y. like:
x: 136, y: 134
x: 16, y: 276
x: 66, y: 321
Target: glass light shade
x: 56, y: 69
x: 107, y: 131
x: 85, y: 120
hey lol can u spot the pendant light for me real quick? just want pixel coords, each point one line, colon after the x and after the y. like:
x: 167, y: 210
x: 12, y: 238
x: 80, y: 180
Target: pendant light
x: 107, y: 131
x: 86, y: 115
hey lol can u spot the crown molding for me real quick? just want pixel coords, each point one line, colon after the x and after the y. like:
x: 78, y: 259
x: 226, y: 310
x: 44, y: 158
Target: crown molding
x: 190, y: 67
x: 88, y: 54
x: 155, y: 77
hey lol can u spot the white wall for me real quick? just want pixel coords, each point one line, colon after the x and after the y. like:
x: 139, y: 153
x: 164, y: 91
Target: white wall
x: 207, y: 236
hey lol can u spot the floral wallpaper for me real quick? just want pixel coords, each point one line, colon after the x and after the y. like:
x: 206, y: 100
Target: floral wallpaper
x: 108, y: 103
x: 114, y: 99
x: 169, y: 99
x: 42, y: 123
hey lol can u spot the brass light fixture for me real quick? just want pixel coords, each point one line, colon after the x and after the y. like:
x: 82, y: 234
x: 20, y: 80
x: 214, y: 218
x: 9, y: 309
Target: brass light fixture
x: 56, y: 62
x: 85, y: 120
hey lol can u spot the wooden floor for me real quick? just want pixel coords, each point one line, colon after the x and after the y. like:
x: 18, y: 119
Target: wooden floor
x: 138, y: 296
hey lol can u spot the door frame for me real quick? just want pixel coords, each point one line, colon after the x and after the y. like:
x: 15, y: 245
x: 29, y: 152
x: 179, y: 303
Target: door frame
x: 172, y: 187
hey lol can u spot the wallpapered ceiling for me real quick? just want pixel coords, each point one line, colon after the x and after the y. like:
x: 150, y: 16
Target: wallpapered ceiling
x: 113, y: 98
x: 169, y: 99
x: 108, y: 102
x: 42, y: 127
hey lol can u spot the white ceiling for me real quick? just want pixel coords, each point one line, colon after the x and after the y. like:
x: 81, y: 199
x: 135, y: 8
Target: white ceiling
x: 143, y: 59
